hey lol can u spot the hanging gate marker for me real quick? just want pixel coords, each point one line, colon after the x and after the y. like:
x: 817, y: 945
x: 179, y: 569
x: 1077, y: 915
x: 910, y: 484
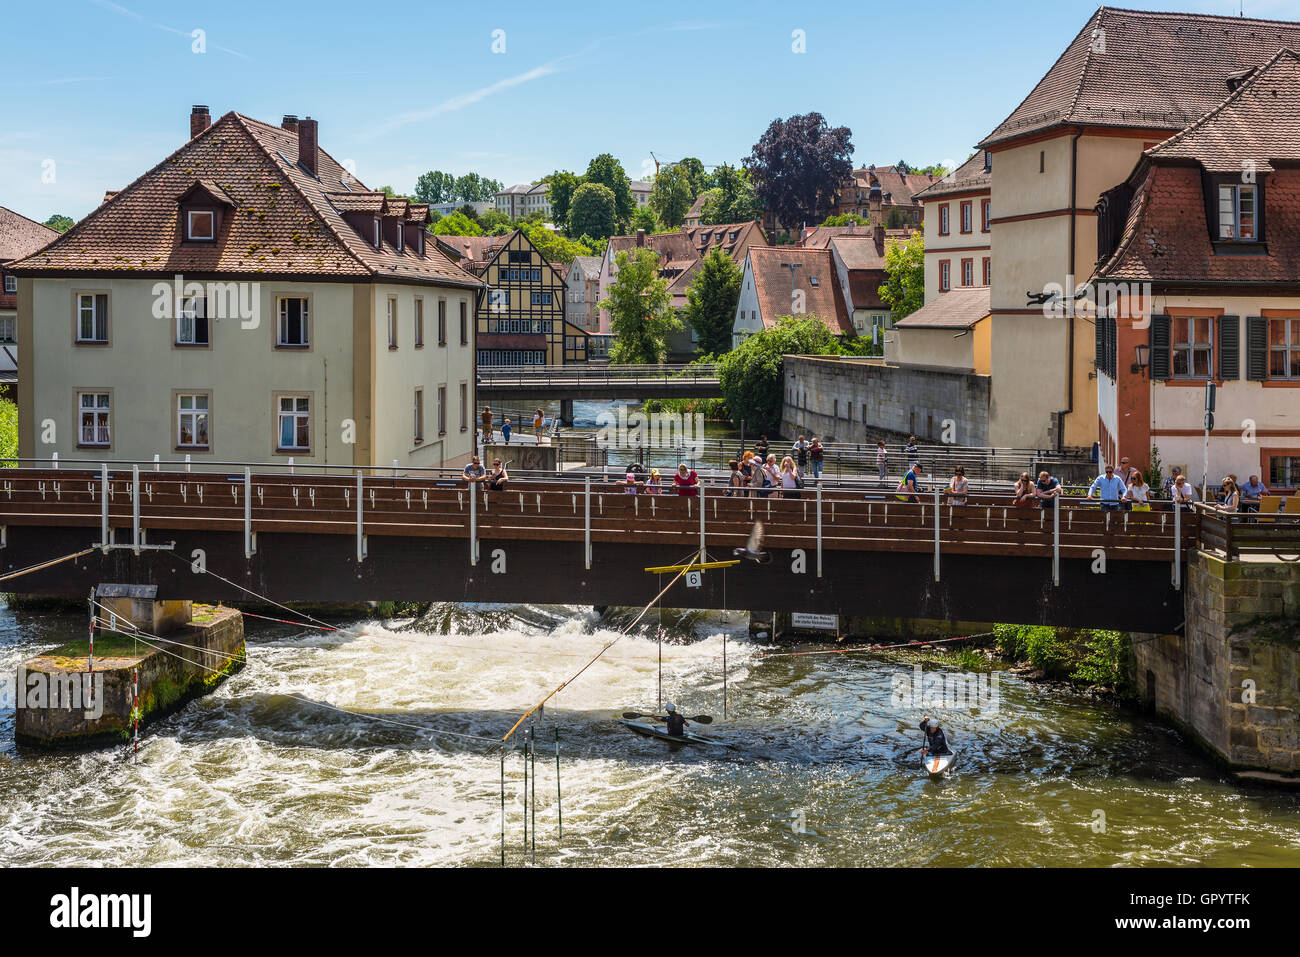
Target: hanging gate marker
x: 587, y: 524
x: 361, y: 520
x: 1056, y: 544
x: 1178, y: 547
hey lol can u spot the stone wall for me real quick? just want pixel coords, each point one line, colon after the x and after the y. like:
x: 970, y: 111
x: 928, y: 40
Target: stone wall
x: 850, y: 400
x: 1232, y: 680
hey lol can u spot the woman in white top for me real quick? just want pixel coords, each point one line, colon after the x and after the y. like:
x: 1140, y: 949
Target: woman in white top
x: 789, y: 478
x: 1138, y: 490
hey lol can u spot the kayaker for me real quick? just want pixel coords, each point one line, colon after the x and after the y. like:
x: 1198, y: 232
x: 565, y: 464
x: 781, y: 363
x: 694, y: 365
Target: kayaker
x: 676, y: 723
x: 935, y: 742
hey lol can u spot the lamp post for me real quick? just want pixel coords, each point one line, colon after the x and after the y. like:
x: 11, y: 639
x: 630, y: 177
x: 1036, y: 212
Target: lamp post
x: 1142, y: 355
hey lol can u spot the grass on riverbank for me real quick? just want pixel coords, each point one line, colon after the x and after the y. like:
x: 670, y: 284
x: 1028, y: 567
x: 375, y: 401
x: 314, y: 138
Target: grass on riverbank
x: 1082, y: 655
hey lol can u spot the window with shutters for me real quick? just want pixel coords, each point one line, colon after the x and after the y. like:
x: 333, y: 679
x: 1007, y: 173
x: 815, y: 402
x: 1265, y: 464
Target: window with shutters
x: 1192, y: 349
x: 1284, y: 348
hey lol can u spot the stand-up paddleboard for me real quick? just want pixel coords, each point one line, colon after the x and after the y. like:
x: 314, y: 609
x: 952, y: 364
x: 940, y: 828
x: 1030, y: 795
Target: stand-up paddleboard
x: 652, y: 731
x: 936, y: 764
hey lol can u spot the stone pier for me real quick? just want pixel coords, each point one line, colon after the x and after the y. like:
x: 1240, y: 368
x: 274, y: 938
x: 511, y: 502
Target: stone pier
x: 1231, y: 680
x: 61, y: 703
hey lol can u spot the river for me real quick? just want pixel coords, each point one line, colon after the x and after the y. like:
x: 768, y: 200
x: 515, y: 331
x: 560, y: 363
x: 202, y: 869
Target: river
x: 823, y: 769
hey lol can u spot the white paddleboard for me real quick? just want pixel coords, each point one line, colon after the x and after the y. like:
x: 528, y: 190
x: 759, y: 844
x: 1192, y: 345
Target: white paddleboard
x: 936, y: 764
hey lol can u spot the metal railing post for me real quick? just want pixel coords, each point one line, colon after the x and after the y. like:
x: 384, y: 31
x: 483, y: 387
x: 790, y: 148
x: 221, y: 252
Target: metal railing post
x: 586, y: 535
x: 103, y: 515
x: 819, y: 530
x: 361, y: 520
x: 1178, y: 547
x: 1056, y: 541
x: 248, y: 513
x: 703, y: 553
x: 936, y: 530
x: 135, y: 509
x: 473, y: 523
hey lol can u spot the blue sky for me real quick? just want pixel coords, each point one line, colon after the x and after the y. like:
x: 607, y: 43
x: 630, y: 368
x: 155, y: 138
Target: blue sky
x: 103, y: 89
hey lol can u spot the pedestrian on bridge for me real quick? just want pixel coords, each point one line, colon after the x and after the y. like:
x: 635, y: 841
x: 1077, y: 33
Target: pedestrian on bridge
x: 1047, y: 490
x: 1138, y: 493
x: 910, y: 451
x: 1183, y: 492
x: 800, y: 452
x: 474, y: 472
x: 736, y: 481
x: 686, y: 480
x: 654, y: 484
x: 1024, y: 495
x: 505, y: 430
x: 486, y: 420
x: 791, y: 482
x: 957, y: 488
x: 882, y: 460
x: 816, y: 452
x: 539, y: 423
x: 1110, y: 488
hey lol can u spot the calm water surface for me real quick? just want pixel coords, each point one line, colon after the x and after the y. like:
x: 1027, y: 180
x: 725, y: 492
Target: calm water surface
x: 823, y: 769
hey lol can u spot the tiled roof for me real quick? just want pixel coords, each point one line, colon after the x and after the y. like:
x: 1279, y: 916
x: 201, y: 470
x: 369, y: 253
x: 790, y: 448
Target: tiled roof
x: 820, y: 237
x: 897, y: 188
x: 774, y: 286
x: 471, y: 252
x: 859, y: 252
x: 281, y: 224
x: 969, y: 176
x: 1145, y: 69
x: 1258, y: 122
x: 705, y: 238
x: 959, y: 308
x: 20, y: 236
x: 369, y: 202
x: 587, y: 266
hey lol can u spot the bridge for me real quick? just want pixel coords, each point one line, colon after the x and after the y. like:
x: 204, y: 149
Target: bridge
x: 595, y: 381
x: 252, y: 530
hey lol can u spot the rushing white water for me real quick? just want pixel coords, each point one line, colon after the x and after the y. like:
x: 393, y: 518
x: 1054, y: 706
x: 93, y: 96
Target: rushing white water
x: 332, y: 749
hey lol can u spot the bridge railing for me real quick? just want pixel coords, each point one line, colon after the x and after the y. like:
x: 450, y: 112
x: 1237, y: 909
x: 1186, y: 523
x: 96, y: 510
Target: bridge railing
x: 135, y: 503
x: 1249, y: 533
x: 582, y: 374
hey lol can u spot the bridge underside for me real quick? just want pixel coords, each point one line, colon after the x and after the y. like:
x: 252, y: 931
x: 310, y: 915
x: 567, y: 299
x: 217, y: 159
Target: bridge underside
x: 1129, y: 596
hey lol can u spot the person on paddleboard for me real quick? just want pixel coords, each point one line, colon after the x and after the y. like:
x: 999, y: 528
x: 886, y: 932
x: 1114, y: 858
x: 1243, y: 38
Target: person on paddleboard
x: 935, y: 741
x: 676, y: 723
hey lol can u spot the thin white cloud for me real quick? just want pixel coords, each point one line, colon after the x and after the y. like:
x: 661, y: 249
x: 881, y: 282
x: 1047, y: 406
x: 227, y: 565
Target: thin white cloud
x: 452, y: 104
x: 122, y: 11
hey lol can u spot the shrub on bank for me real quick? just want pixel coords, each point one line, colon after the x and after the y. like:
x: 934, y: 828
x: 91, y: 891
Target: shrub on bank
x: 1086, y: 655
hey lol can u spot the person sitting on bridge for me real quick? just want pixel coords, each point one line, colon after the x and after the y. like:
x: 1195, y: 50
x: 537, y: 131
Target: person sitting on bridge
x: 687, y: 482
x: 1251, y: 493
x: 474, y: 472
x: 497, y: 478
x: 675, y: 722
x: 958, y: 487
x: 1047, y: 490
x: 1231, y: 497
x: 1111, y: 487
x: 1024, y: 495
x: 935, y: 740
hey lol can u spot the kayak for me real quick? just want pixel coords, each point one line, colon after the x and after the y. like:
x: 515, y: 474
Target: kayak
x: 652, y: 731
x: 937, y: 764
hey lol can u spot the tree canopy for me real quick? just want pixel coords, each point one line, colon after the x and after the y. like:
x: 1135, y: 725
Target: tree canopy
x: 752, y: 374
x: 436, y: 186
x: 904, y: 288
x: 457, y: 224
x: 608, y: 171
x: 797, y: 166
x: 594, y: 211
x: 554, y: 247
x: 561, y: 186
x: 59, y: 223
x: 846, y: 219
x: 638, y: 309
x: 732, y: 199
x: 672, y: 195
x: 711, y: 301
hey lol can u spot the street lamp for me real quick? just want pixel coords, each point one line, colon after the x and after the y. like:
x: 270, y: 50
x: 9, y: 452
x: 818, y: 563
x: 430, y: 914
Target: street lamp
x: 1143, y: 355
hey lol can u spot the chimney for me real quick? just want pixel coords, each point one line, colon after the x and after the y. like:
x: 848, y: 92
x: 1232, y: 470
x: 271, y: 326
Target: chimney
x: 879, y: 235
x: 640, y: 237
x: 307, y: 144
x: 200, y: 120
x: 290, y: 123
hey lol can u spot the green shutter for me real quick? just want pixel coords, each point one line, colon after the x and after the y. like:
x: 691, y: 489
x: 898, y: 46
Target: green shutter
x: 1229, y: 347
x: 1256, y: 348
x: 1160, y: 331
x: 1099, y: 330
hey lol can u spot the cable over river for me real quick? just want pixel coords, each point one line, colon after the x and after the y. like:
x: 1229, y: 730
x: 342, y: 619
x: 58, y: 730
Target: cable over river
x: 267, y: 770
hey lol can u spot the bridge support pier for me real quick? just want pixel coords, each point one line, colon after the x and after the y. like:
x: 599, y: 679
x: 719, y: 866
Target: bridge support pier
x: 566, y: 412
x: 1228, y: 681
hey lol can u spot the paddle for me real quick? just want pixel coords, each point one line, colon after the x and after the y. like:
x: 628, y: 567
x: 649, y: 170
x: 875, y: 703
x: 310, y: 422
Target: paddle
x: 698, y: 719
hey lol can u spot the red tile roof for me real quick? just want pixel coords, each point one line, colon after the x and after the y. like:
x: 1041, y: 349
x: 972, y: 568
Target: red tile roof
x: 283, y: 222
x: 1145, y: 69
x: 959, y: 308
x: 774, y: 286
x: 970, y: 176
x: 20, y: 236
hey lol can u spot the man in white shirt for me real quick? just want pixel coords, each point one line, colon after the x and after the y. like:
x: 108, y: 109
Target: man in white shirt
x: 1183, y: 492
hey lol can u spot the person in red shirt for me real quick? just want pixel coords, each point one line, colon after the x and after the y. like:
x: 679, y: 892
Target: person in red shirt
x: 687, y: 482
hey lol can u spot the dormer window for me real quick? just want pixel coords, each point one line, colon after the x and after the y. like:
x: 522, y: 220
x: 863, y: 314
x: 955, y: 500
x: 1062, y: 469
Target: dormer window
x: 1238, y: 208
x: 419, y: 241
x: 200, y: 225
x: 400, y: 236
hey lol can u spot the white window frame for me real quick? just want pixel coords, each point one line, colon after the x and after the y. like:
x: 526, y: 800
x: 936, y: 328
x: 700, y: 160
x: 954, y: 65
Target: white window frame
x: 97, y: 321
x: 392, y: 322
x: 417, y: 414
x: 295, y: 413
x: 189, y: 312
x: 195, y: 413
x: 1190, y: 347
x: 11, y: 285
x: 1288, y: 345
x: 1233, y: 193
x: 97, y: 409
x: 8, y: 329
x: 189, y: 225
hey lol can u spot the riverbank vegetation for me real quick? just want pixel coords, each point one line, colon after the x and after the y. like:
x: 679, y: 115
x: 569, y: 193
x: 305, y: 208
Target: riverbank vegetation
x: 1080, y: 655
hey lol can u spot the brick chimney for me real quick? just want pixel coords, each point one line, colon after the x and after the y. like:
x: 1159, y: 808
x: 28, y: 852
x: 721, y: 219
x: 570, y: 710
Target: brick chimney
x: 878, y: 233
x: 307, y: 144
x: 290, y: 123
x: 200, y: 120
x: 640, y: 237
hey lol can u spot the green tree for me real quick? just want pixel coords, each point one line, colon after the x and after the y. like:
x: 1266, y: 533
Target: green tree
x: 594, y: 211
x: 672, y: 195
x: 711, y: 301
x: 695, y: 175
x: 391, y: 193
x: 798, y: 165
x: 562, y: 185
x: 638, y: 309
x: 59, y: 223
x: 846, y: 219
x: 732, y: 199
x: 606, y: 170
x: 473, y: 188
x: 435, y: 187
x: 904, y: 288
x: 644, y: 218
x: 554, y: 247
x: 457, y: 224
x: 752, y: 374
x: 8, y: 430
x: 493, y: 220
